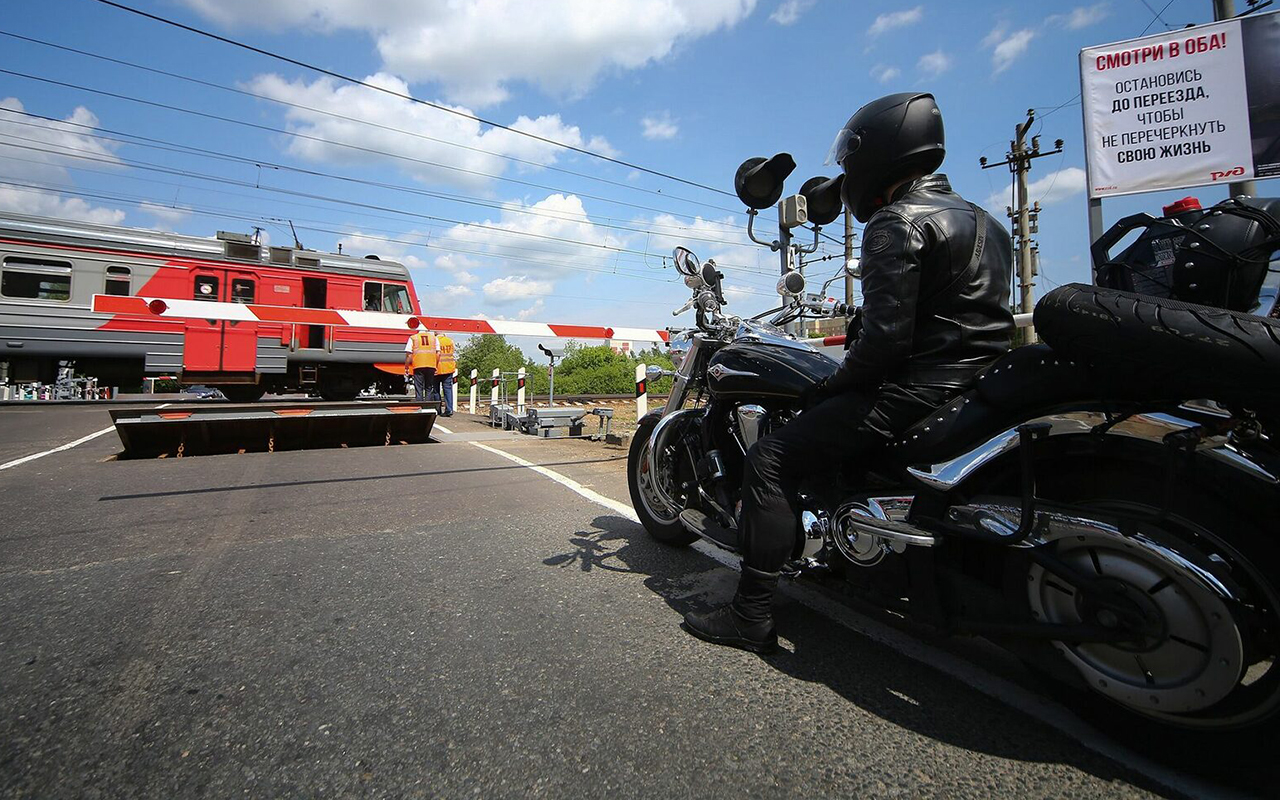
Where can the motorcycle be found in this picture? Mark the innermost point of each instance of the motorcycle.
(1119, 540)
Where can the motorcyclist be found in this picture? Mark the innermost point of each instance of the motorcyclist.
(935, 283)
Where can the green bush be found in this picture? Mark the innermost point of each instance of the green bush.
(583, 369)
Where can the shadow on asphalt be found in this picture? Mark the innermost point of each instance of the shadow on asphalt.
(872, 676)
(352, 479)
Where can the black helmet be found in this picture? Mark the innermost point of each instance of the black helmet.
(885, 141)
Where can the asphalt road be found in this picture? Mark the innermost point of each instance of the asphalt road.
(437, 620)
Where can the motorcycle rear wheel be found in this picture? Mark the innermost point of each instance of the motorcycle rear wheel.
(660, 519)
(1219, 535)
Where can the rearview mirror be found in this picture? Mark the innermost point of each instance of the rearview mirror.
(758, 182)
(686, 262)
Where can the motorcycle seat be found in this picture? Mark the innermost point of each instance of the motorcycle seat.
(1021, 384)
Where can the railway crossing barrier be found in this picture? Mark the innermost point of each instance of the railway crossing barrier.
(473, 393)
(216, 429)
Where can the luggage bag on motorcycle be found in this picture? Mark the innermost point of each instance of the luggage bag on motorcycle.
(1143, 347)
(1214, 257)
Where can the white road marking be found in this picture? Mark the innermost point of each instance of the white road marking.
(440, 427)
(1011, 694)
(58, 449)
(67, 446)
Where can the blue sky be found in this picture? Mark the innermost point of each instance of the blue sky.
(685, 87)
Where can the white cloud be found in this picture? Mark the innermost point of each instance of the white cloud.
(884, 73)
(934, 63)
(1081, 16)
(659, 127)
(1010, 48)
(531, 312)
(514, 288)
(54, 143)
(361, 244)
(475, 50)
(50, 204)
(1054, 187)
(358, 105)
(789, 11)
(170, 214)
(994, 35)
(895, 19)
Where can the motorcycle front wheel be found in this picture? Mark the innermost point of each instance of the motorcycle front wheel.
(660, 518)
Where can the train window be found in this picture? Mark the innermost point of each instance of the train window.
(206, 288)
(242, 290)
(390, 298)
(35, 279)
(118, 281)
(395, 299)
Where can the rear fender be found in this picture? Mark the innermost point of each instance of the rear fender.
(1150, 428)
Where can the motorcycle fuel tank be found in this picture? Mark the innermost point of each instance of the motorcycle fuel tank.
(763, 369)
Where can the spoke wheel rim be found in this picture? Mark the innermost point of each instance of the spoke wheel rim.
(652, 499)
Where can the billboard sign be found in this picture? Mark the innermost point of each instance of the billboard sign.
(1191, 107)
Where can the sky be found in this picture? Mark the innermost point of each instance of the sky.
(499, 225)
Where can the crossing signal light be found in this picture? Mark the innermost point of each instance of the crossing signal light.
(822, 196)
(758, 182)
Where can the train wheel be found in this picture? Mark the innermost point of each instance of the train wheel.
(243, 393)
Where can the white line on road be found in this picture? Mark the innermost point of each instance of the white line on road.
(440, 427)
(67, 446)
(1011, 694)
(58, 449)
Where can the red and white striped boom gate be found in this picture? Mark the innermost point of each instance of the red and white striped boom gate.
(168, 308)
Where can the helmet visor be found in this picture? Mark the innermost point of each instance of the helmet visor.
(845, 143)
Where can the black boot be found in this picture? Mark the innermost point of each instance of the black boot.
(747, 622)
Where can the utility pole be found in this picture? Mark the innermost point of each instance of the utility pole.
(1025, 218)
(848, 256)
(1226, 9)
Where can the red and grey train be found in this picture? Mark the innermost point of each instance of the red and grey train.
(50, 269)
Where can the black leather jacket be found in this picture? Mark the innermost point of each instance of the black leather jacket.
(919, 326)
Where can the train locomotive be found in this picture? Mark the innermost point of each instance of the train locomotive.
(50, 269)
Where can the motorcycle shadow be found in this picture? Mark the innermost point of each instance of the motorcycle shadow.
(865, 673)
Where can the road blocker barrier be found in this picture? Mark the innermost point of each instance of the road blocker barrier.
(262, 427)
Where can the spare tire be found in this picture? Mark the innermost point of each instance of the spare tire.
(1157, 346)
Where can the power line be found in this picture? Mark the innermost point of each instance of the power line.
(115, 197)
(389, 128)
(78, 153)
(403, 96)
(297, 134)
(125, 137)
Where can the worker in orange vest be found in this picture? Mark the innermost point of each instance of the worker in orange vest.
(446, 367)
(420, 359)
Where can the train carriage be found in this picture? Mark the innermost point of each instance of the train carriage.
(50, 270)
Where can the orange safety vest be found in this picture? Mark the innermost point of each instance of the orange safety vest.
(424, 351)
(448, 363)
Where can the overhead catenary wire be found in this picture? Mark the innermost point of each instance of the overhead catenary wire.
(614, 256)
(78, 153)
(160, 144)
(115, 197)
(821, 234)
(294, 134)
(402, 131)
(438, 106)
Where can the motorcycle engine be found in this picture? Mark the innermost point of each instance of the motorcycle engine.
(862, 549)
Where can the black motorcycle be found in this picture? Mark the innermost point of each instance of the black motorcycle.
(1112, 527)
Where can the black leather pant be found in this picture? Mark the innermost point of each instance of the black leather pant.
(841, 429)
